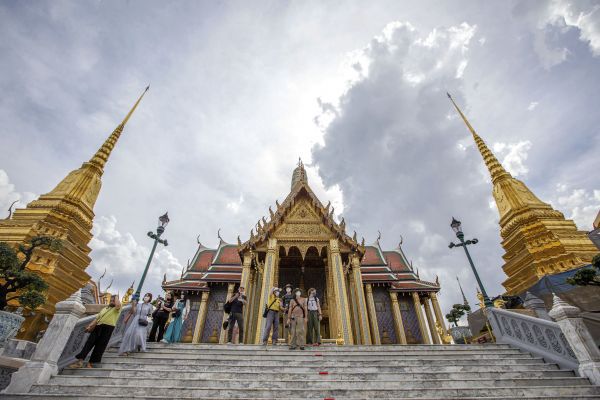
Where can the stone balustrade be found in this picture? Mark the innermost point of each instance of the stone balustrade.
(538, 336)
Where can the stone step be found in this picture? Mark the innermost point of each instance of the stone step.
(330, 366)
(311, 373)
(149, 364)
(307, 359)
(332, 348)
(284, 351)
(35, 396)
(219, 392)
(317, 382)
(310, 356)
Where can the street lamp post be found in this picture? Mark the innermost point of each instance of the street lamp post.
(455, 224)
(163, 221)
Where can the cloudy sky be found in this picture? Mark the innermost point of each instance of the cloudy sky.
(240, 90)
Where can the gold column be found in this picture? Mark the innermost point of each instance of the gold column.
(398, 324)
(201, 319)
(341, 294)
(438, 312)
(223, 336)
(419, 313)
(245, 282)
(434, 334)
(267, 284)
(331, 302)
(376, 339)
(363, 319)
(353, 309)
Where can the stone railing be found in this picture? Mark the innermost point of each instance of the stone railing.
(538, 336)
(79, 336)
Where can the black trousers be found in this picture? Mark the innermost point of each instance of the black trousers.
(233, 318)
(98, 340)
(158, 323)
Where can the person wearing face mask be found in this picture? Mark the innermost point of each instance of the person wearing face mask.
(315, 315)
(134, 338)
(178, 316)
(296, 319)
(271, 313)
(287, 297)
(101, 330)
(237, 301)
(160, 317)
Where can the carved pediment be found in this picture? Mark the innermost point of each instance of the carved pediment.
(305, 231)
(302, 213)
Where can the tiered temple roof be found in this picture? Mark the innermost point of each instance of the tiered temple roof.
(224, 264)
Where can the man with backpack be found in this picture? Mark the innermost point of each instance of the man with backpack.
(315, 315)
(236, 314)
(296, 319)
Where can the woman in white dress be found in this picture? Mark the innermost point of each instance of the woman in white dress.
(134, 338)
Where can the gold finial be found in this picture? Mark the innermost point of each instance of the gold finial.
(496, 169)
(99, 159)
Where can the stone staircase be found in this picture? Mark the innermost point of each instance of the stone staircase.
(187, 371)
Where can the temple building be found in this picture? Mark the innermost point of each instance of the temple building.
(537, 239)
(369, 296)
(66, 213)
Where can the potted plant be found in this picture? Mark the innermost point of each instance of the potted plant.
(19, 283)
(460, 334)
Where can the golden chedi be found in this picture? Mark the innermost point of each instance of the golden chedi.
(66, 213)
(536, 238)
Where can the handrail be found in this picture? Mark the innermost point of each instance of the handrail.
(535, 335)
(79, 336)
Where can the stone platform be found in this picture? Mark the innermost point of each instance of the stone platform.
(188, 371)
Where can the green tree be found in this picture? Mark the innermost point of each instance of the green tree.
(16, 281)
(587, 276)
(458, 310)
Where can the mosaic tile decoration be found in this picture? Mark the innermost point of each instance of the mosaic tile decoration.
(214, 315)
(383, 310)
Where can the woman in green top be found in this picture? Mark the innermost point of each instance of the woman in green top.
(101, 330)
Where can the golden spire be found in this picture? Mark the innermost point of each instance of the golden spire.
(536, 238)
(496, 169)
(99, 159)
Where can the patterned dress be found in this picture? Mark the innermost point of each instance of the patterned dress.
(134, 338)
(174, 330)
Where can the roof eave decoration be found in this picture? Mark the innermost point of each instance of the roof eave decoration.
(265, 228)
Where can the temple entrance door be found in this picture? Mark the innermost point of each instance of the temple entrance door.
(306, 272)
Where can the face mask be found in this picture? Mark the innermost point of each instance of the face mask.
(312, 294)
(298, 294)
(277, 293)
(146, 299)
(288, 290)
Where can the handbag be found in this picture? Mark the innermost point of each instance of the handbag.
(266, 312)
(142, 320)
(177, 313)
(92, 325)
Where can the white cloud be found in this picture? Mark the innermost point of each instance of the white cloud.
(514, 156)
(550, 21)
(400, 163)
(580, 205)
(235, 205)
(124, 258)
(8, 195)
(532, 106)
(584, 17)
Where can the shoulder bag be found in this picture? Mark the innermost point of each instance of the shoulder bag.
(266, 312)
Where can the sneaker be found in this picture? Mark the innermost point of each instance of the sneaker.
(292, 347)
(301, 347)
(265, 344)
(77, 364)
